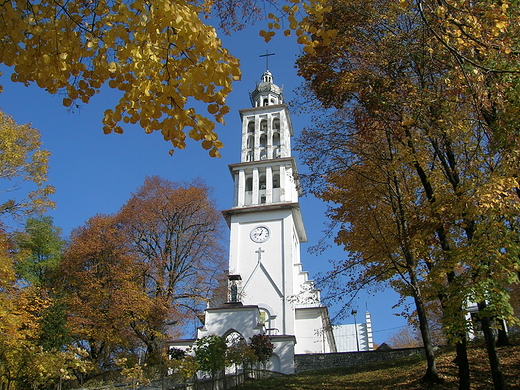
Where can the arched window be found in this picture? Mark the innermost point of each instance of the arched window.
(266, 102)
(276, 124)
(250, 142)
(234, 339)
(263, 125)
(262, 186)
(249, 184)
(262, 183)
(276, 181)
(263, 141)
(251, 127)
(276, 139)
(265, 320)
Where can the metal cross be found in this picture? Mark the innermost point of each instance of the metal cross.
(260, 251)
(266, 55)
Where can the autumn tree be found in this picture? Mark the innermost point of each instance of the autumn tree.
(26, 362)
(387, 73)
(98, 277)
(406, 337)
(374, 193)
(262, 347)
(21, 161)
(174, 234)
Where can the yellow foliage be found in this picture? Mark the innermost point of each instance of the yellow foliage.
(158, 53)
(22, 160)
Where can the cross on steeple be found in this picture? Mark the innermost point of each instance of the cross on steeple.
(266, 55)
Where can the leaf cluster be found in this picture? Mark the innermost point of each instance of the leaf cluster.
(160, 55)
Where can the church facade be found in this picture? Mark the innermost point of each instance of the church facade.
(270, 293)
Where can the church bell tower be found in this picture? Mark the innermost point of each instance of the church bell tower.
(269, 293)
(267, 227)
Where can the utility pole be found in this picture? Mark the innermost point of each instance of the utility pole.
(354, 312)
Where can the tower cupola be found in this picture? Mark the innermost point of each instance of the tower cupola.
(266, 93)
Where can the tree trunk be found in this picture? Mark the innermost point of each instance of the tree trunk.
(502, 340)
(462, 362)
(494, 362)
(432, 375)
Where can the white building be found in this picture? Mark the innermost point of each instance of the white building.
(270, 292)
(354, 337)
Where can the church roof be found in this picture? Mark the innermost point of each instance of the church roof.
(266, 86)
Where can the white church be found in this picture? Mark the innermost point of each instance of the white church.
(270, 293)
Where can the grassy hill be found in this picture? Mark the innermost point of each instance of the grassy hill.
(403, 374)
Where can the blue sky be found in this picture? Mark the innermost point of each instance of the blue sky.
(95, 173)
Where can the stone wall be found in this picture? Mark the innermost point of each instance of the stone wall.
(320, 361)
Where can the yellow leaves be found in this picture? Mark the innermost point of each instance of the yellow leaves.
(213, 108)
(21, 159)
(158, 54)
(267, 35)
(207, 144)
(407, 121)
(500, 27)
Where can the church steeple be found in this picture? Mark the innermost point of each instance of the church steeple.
(267, 173)
(265, 272)
(266, 93)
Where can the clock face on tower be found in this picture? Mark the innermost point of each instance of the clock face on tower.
(260, 234)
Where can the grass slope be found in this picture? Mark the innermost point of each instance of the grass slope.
(403, 374)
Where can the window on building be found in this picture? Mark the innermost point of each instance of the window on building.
(276, 181)
(263, 125)
(262, 183)
(276, 139)
(276, 124)
(234, 339)
(263, 141)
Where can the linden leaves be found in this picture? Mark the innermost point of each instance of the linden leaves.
(159, 54)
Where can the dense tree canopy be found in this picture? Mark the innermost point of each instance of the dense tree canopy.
(410, 156)
(174, 233)
(97, 275)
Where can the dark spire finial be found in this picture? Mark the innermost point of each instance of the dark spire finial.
(266, 55)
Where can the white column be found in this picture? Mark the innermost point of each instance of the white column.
(256, 150)
(269, 145)
(240, 188)
(283, 181)
(256, 185)
(244, 140)
(269, 185)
